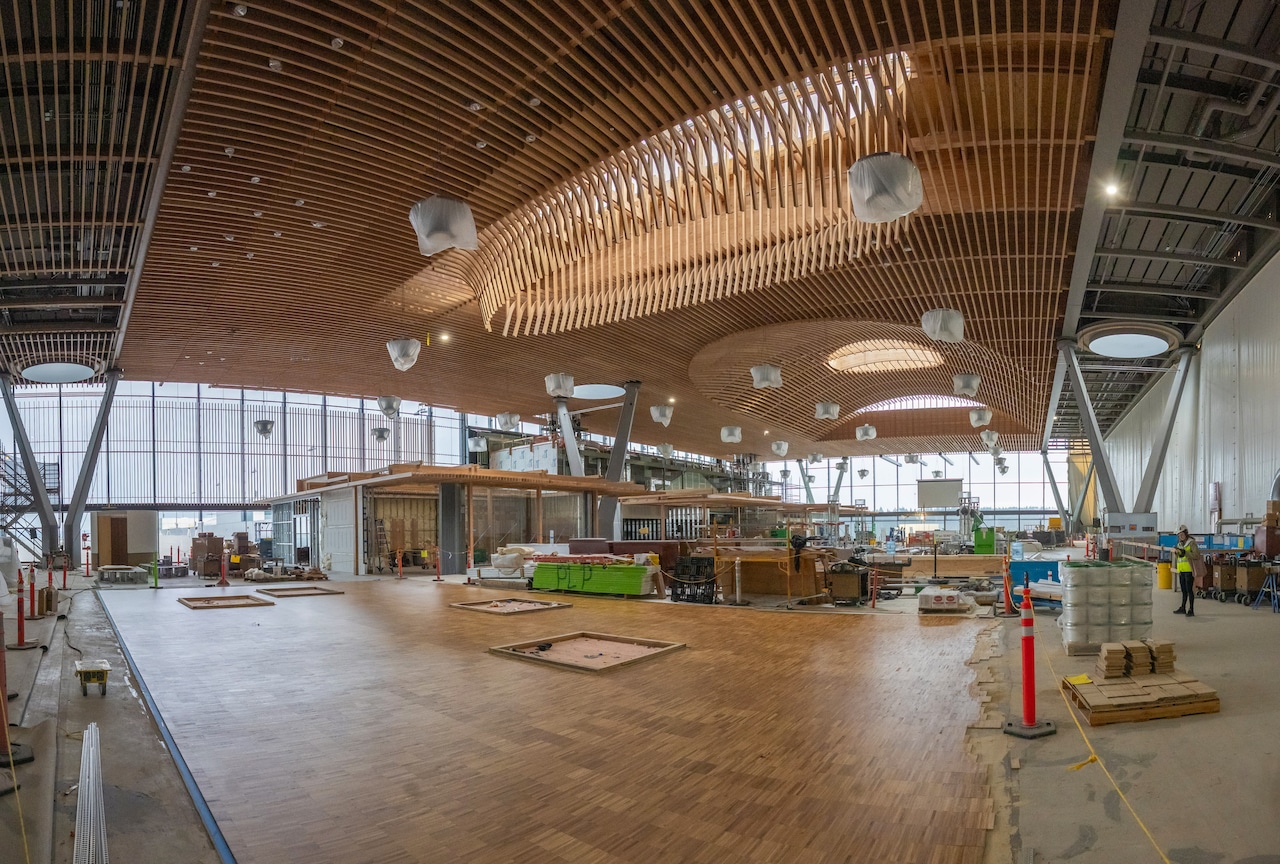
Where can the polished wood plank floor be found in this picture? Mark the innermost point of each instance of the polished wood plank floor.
(375, 727)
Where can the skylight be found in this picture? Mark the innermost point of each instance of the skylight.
(918, 403)
(883, 355)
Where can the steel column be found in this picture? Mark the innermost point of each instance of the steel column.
(1084, 493)
(1089, 420)
(1057, 496)
(570, 440)
(804, 478)
(617, 459)
(39, 494)
(1160, 447)
(71, 524)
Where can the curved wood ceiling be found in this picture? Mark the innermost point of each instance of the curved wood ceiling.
(289, 261)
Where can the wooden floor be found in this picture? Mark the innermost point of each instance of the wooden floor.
(375, 727)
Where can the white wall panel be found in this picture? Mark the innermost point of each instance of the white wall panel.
(1225, 430)
(338, 538)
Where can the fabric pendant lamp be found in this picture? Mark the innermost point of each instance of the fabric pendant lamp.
(661, 414)
(884, 187)
(779, 448)
(943, 325)
(979, 417)
(731, 434)
(826, 411)
(380, 433)
(264, 427)
(404, 353)
(443, 223)
(766, 376)
(865, 432)
(389, 405)
(507, 421)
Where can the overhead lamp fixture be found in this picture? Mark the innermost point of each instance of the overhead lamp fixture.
(477, 445)
(989, 437)
(661, 414)
(1112, 189)
(766, 376)
(264, 427)
(666, 450)
(443, 223)
(336, 43)
(884, 187)
(826, 411)
(755, 467)
(1129, 340)
(995, 451)
(389, 405)
(380, 433)
(943, 325)
(979, 417)
(865, 432)
(862, 473)
(779, 448)
(785, 474)
(937, 475)
(731, 434)
(507, 421)
(1003, 469)
(911, 459)
(404, 353)
(965, 384)
(815, 458)
(240, 10)
(1000, 460)
(560, 385)
(274, 65)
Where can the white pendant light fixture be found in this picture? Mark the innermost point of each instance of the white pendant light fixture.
(979, 417)
(755, 467)
(404, 353)
(995, 450)
(1000, 460)
(666, 450)
(560, 385)
(766, 376)
(779, 448)
(1003, 469)
(389, 405)
(661, 414)
(884, 187)
(865, 432)
(965, 384)
(785, 474)
(826, 411)
(943, 325)
(443, 223)
(862, 473)
(477, 445)
(937, 475)
(731, 434)
(264, 427)
(507, 421)
(815, 458)
(380, 433)
(989, 437)
(911, 459)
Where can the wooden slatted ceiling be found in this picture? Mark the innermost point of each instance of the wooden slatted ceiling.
(997, 114)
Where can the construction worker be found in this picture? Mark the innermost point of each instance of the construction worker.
(1184, 553)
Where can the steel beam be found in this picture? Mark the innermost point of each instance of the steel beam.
(39, 494)
(1084, 493)
(1146, 210)
(1169, 257)
(116, 280)
(1209, 146)
(1055, 397)
(804, 478)
(61, 301)
(1057, 496)
(1211, 45)
(571, 452)
(1137, 316)
(80, 495)
(173, 114)
(1106, 479)
(1149, 288)
(608, 511)
(1133, 25)
(1160, 447)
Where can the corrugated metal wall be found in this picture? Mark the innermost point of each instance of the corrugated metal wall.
(1226, 431)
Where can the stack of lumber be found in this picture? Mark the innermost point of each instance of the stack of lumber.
(1162, 652)
(1149, 697)
(1137, 657)
(1112, 660)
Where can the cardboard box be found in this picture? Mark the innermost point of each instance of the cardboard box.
(1250, 576)
(1224, 577)
(1271, 520)
(1273, 508)
(1266, 541)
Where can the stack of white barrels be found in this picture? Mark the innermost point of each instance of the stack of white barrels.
(1104, 602)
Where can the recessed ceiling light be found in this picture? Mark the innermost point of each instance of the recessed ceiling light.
(213, 194)
(241, 10)
(480, 145)
(317, 224)
(444, 337)
(248, 254)
(336, 43)
(299, 202)
(223, 359)
(766, 431)
(475, 106)
(534, 101)
(194, 248)
(213, 263)
(672, 400)
(1112, 188)
(186, 169)
(276, 234)
(254, 179)
(208, 352)
(230, 238)
(274, 65)
(257, 213)
(186, 356)
(530, 138)
(230, 151)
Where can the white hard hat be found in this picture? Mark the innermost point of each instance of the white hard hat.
(1182, 529)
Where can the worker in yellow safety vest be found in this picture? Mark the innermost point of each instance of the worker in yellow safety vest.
(1184, 553)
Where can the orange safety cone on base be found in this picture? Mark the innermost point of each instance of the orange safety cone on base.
(1029, 727)
(22, 644)
(11, 752)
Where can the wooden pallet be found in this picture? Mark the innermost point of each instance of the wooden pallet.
(1148, 706)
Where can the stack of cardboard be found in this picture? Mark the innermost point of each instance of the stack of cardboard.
(1111, 660)
(1138, 658)
(1162, 652)
(206, 555)
(1266, 537)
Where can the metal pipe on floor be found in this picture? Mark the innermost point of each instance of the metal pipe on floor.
(91, 814)
(737, 581)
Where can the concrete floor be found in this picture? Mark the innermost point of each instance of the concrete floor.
(1206, 787)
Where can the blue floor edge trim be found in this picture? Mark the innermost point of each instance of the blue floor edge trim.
(202, 807)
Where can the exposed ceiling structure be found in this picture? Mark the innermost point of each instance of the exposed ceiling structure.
(659, 192)
(88, 92)
(1191, 216)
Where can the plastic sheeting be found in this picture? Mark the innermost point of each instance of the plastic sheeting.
(443, 223)
(884, 187)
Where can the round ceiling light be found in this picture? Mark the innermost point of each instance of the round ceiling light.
(1129, 340)
(58, 373)
(597, 391)
(883, 355)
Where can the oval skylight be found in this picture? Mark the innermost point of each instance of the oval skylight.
(598, 391)
(918, 403)
(883, 355)
(1128, 345)
(58, 373)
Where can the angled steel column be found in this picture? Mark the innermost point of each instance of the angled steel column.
(1155, 462)
(570, 440)
(1057, 496)
(39, 494)
(804, 478)
(1106, 479)
(1084, 493)
(617, 459)
(71, 524)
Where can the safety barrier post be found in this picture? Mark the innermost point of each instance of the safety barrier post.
(399, 563)
(438, 578)
(33, 610)
(223, 583)
(11, 752)
(22, 644)
(1029, 727)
